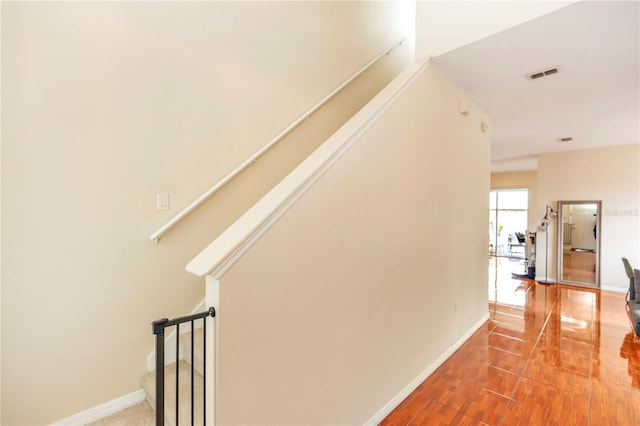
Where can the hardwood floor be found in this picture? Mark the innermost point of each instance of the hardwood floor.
(549, 355)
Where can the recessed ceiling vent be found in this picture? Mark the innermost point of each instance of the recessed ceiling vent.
(568, 139)
(539, 74)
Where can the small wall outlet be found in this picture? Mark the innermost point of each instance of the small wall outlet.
(162, 201)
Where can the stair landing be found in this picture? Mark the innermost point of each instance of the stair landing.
(184, 406)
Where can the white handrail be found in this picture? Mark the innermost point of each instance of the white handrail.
(155, 237)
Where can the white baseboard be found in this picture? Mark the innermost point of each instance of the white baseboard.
(615, 289)
(400, 396)
(170, 342)
(103, 410)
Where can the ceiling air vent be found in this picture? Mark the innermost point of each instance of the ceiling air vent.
(539, 74)
(568, 139)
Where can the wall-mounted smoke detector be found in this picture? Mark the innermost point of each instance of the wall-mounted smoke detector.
(567, 139)
(545, 73)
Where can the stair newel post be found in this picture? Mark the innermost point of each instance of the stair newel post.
(158, 329)
(210, 313)
(210, 355)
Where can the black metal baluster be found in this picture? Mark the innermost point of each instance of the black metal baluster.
(193, 349)
(177, 370)
(204, 370)
(158, 330)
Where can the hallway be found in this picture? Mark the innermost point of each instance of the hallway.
(549, 355)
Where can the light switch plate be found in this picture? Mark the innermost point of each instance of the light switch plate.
(162, 201)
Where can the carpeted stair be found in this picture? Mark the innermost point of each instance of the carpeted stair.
(184, 373)
(184, 406)
(144, 413)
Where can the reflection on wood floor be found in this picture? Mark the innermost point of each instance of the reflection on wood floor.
(549, 355)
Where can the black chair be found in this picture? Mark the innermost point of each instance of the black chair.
(633, 297)
(631, 293)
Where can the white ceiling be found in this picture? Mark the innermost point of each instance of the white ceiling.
(594, 98)
(445, 25)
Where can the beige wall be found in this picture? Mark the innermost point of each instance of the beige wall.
(353, 292)
(105, 104)
(0, 223)
(520, 180)
(608, 174)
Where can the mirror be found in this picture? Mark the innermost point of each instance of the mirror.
(579, 242)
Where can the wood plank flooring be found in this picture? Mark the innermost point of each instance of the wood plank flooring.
(549, 355)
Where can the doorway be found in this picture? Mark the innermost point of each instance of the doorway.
(508, 211)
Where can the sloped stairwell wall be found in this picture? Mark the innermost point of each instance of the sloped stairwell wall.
(369, 277)
(104, 104)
